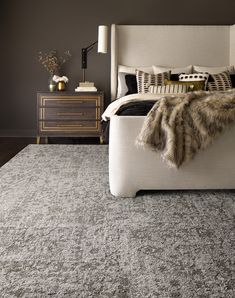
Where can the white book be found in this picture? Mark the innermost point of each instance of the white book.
(86, 84)
(86, 89)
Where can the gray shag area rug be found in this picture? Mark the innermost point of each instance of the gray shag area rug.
(63, 235)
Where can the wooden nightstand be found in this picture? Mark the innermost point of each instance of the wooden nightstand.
(66, 114)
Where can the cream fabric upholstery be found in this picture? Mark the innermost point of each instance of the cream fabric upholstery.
(158, 45)
(132, 168)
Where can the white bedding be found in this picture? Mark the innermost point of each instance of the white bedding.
(115, 105)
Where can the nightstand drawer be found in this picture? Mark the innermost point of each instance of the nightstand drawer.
(69, 113)
(70, 125)
(69, 102)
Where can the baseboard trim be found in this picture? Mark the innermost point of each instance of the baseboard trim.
(30, 133)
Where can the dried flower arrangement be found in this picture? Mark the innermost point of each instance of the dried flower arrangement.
(52, 62)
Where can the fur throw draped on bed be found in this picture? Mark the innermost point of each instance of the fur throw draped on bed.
(181, 126)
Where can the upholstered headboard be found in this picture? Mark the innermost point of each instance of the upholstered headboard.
(170, 46)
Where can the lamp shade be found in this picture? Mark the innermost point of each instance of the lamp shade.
(102, 39)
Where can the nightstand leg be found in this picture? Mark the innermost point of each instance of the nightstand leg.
(46, 140)
(101, 140)
(38, 140)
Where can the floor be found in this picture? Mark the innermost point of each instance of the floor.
(62, 234)
(10, 146)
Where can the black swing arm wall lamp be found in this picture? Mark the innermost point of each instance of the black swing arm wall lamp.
(102, 47)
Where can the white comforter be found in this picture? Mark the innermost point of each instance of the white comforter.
(115, 105)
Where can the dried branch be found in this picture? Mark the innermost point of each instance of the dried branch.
(51, 61)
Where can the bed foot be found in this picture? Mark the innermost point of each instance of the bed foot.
(128, 194)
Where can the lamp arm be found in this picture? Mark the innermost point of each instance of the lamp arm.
(91, 46)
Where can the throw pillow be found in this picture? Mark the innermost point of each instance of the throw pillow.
(175, 77)
(220, 82)
(127, 84)
(168, 89)
(144, 80)
(232, 78)
(131, 84)
(194, 77)
(192, 86)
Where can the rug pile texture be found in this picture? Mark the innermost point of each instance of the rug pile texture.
(62, 234)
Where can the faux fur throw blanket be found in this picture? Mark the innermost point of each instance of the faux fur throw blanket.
(181, 126)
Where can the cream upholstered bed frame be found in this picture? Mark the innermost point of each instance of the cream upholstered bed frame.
(131, 168)
(170, 46)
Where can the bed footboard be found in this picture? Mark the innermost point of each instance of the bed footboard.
(132, 168)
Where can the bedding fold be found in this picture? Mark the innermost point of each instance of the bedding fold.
(114, 106)
(180, 126)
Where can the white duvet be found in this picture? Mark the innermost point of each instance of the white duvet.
(115, 105)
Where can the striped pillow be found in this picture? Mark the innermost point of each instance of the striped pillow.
(220, 82)
(168, 89)
(144, 80)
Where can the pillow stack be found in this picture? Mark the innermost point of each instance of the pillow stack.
(169, 80)
(172, 86)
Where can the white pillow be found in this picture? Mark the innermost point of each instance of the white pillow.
(122, 88)
(132, 69)
(213, 70)
(174, 70)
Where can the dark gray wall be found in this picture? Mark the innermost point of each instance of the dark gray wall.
(27, 26)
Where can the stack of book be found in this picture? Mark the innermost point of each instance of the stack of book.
(86, 87)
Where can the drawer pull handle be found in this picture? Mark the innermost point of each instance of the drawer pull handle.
(71, 102)
(70, 114)
(69, 125)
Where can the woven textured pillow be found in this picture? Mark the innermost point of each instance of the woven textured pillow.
(220, 82)
(168, 89)
(194, 77)
(192, 86)
(144, 80)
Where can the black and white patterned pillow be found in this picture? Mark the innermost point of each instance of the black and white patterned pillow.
(194, 77)
(144, 80)
(220, 82)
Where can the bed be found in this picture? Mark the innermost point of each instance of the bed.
(132, 168)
